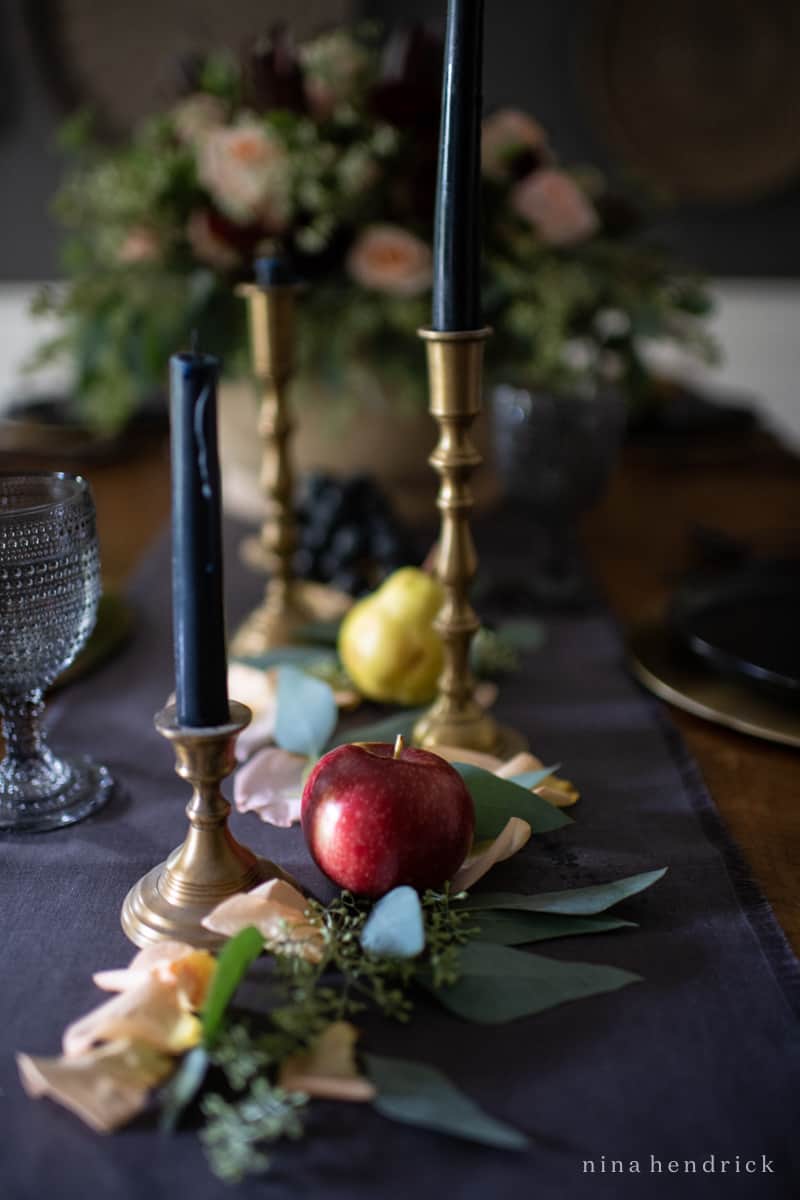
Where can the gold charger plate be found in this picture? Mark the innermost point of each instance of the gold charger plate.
(677, 677)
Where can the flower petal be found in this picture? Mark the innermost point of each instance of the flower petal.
(171, 962)
(556, 791)
(561, 793)
(512, 838)
(106, 1087)
(277, 910)
(518, 765)
(152, 1011)
(328, 1068)
(271, 785)
(257, 689)
(476, 758)
(486, 692)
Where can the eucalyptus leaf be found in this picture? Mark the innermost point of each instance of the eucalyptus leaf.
(508, 928)
(497, 800)
(288, 656)
(322, 633)
(532, 779)
(415, 1093)
(183, 1087)
(235, 957)
(306, 713)
(395, 928)
(523, 633)
(385, 730)
(499, 984)
(583, 902)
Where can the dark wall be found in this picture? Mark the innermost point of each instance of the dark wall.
(536, 59)
(29, 165)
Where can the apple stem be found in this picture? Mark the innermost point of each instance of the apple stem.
(399, 745)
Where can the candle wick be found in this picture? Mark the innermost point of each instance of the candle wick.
(194, 339)
(200, 438)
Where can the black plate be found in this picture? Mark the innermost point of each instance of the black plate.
(745, 624)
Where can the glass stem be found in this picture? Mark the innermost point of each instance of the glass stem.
(21, 717)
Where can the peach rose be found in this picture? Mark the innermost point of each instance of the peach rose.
(207, 245)
(504, 134)
(244, 167)
(196, 116)
(388, 259)
(139, 245)
(556, 207)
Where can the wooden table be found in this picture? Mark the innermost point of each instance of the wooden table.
(639, 544)
(637, 540)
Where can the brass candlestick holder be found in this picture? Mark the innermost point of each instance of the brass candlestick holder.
(170, 901)
(288, 602)
(455, 360)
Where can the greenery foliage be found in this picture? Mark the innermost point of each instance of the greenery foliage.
(330, 150)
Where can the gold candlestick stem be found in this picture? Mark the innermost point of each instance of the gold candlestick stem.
(288, 603)
(455, 361)
(170, 901)
(271, 314)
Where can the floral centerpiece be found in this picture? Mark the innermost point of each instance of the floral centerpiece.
(330, 147)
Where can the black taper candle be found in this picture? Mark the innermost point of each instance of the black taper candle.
(456, 236)
(201, 684)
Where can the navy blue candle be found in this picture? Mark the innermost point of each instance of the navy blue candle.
(456, 236)
(201, 683)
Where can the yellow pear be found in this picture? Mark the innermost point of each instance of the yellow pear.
(387, 642)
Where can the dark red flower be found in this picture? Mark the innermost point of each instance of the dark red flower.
(272, 76)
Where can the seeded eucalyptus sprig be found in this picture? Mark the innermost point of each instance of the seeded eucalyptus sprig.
(458, 947)
(345, 981)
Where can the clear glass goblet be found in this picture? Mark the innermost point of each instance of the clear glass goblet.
(49, 592)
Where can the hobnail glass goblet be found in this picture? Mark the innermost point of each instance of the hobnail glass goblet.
(49, 592)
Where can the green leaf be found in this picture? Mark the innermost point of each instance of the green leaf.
(582, 902)
(395, 928)
(499, 984)
(496, 800)
(520, 928)
(415, 1093)
(234, 959)
(523, 633)
(385, 730)
(306, 712)
(322, 633)
(183, 1087)
(288, 656)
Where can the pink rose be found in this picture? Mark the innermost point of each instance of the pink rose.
(387, 259)
(245, 169)
(554, 204)
(505, 134)
(207, 245)
(139, 245)
(195, 117)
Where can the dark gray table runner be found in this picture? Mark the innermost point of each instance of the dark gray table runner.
(698, 1064)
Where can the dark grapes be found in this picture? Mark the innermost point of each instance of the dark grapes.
(347, 534)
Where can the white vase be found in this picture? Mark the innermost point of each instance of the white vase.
(388, 438)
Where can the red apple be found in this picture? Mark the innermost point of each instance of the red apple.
(376, 816)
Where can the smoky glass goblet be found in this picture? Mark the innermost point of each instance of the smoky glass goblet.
(49, 592)
(555, 454)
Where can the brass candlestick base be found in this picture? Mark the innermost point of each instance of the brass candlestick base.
(170, 901)
(274, 624)
(454, 373)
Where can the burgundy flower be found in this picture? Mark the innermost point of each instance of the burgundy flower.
(273, 77)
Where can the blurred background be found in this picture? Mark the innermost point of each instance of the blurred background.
(701, 98)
